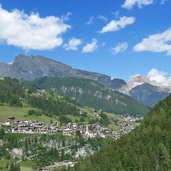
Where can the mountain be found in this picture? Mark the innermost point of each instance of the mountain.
(146, 91)
(147, 148)
(148, 94)
(31, 67)
(90, 93)
(4, 68)
(139, 80)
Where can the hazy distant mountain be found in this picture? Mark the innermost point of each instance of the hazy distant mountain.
(144, 90)
(31, 67)
(4, 68)
(148, 94)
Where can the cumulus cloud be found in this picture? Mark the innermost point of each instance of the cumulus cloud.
(121, 47)
(73, 44)
(90, 47)
(31, 31)
(128, 4)
(116, 25)
(159, 77)
(156, 43)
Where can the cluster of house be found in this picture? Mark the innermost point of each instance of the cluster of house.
(88, 131)
(125, 127)
(132, 118)
(69, 129)
(124, 124)
(33, 126)
(29, 126)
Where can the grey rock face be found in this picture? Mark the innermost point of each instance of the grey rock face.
(31, 67)
(4, 68)
(148, 94)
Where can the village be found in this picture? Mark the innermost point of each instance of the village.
(87, 131)
(14, 126)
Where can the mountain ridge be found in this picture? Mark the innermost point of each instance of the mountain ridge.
(145, 90)
(32, 67)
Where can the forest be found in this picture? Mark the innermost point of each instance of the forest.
(16, 93)
(147, 148)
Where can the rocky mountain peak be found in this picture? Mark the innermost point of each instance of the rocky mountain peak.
(32, 67)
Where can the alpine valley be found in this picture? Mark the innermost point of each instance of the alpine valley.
(54, 117)
(85, 85)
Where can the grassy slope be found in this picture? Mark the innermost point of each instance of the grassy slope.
(25, 165)
(20, 113)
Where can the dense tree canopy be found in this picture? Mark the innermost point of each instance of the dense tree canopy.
(147, 148)
(92, 94)
(15, 93)
(11, 92)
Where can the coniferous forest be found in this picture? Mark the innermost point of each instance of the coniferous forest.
(147, 148)
(15, 93)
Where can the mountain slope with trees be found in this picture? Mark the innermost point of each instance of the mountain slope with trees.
(147, 148)
(92, 94)
(15, 93)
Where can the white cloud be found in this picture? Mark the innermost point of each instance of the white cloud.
(90, 21)
(128, 4)
(159, 77)
(156, 43)
(73, 44)
(31, 31)
(121, 47)
(90, 47)
(115, 25)
(67, 16)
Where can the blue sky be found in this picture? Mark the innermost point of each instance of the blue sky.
(119, 38)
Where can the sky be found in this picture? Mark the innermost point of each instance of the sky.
(120, 38)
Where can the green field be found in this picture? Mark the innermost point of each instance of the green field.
(3, 164)
(24, 165)
(20, 113)
(27, 165)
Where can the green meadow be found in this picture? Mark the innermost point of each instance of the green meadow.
(21, 113)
